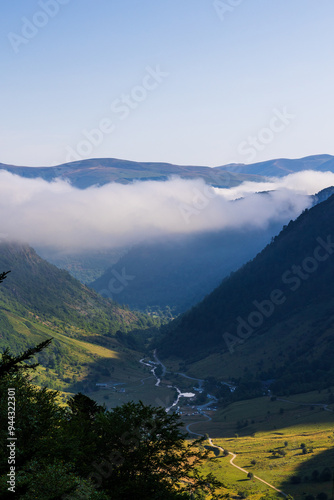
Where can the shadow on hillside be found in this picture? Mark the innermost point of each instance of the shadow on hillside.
(312, 474)
(249, 417)
(278, 426)
(104, 371)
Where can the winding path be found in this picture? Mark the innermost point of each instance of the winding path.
(244, 470)
(230, 453)
(234, 456)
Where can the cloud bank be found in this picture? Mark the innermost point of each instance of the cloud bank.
(60, 216)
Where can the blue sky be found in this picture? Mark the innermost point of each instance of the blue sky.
(186, 82)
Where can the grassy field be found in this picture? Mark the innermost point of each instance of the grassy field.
(285, 428)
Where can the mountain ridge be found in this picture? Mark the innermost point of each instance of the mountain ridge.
(99, 171)
(283, 166)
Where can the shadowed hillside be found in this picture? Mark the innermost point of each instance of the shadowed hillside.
(273, 317)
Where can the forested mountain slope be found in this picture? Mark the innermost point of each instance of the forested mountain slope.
(39, 301)
(274, 317)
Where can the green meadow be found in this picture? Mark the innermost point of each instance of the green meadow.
(271, 446)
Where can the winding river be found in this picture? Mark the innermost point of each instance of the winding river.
(154, 365)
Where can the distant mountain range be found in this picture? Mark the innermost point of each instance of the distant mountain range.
(273, 318)
(99, 171)
(282, 166)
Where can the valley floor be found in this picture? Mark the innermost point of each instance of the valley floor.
(267, 443)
